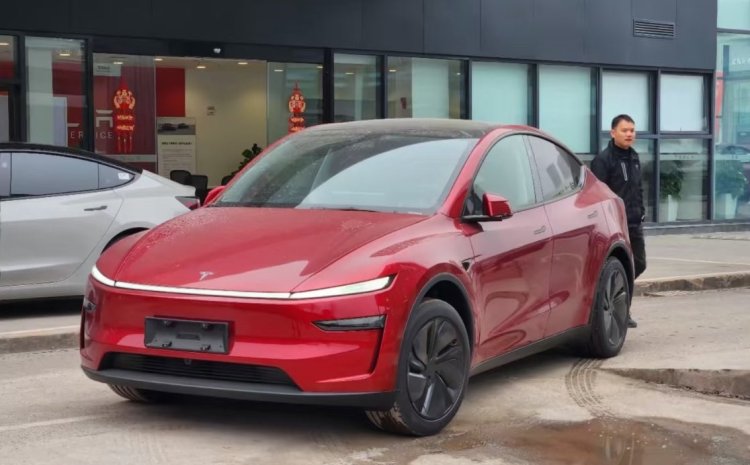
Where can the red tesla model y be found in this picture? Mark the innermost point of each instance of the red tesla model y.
(375, 264)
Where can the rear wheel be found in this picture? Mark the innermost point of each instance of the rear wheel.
(433, 372)
(609, 315)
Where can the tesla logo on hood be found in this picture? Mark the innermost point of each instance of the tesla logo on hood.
(205, 274)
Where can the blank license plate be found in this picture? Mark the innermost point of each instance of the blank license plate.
(191, 335)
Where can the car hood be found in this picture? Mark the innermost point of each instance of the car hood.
(251, 249)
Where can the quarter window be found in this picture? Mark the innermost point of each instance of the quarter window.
(41, 174)
(559, 171)
(505, 171)
(112, 177)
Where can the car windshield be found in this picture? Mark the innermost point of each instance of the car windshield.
(354, 170)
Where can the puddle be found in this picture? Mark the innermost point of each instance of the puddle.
(596, 442)
(619, 442)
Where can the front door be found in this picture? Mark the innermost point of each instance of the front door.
(512, 256)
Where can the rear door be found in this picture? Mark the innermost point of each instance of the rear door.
(53, 218)
(577, 222)
(512, 257)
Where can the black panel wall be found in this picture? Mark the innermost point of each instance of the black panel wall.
(583, 31)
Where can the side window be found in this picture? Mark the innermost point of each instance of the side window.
(505, 171)
(110, 177)
(4, 175)
(42, 174)
(559, 172)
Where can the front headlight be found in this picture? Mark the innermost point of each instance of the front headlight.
(96, 274)
(348, 289)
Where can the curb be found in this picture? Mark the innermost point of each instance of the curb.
(38, 340)
(693, 283)
(724, 383)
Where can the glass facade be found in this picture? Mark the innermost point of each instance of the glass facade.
(356, 85)
(424, 88)
(682, 107)
(501, 92)
(567, 105)
(283, 78)
(683, 179)
(695, 158)
(56, 91)
(7, 57)
(732, 127)
(629, 93)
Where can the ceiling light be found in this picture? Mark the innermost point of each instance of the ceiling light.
(320, 66)
(158, 59)
(4, 44)
(242, 63)
(278, 70)
(201, 66)
(117, 63)
(350, 73)
(391, 70)
(65, 54)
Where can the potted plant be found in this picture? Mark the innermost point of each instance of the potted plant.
(248, 156)
(730, 185)
(670, 186)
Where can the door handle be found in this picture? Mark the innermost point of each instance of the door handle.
(593, 214)
(95, 209)
(540, 230)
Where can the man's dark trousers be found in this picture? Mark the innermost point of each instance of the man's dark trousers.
(638, 244)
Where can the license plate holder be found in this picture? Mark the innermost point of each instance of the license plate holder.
(189, 335)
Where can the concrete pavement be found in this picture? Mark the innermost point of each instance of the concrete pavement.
(676, 263)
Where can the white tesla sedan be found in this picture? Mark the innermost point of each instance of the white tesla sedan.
(60, 208)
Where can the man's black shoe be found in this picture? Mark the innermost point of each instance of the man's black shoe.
(632, 323)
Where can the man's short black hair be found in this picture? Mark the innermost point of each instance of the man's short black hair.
(617, 119)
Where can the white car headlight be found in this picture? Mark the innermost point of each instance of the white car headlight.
(348, 289)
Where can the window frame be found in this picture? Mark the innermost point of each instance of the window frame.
(532, 165)
(571, 154)
(11, 152)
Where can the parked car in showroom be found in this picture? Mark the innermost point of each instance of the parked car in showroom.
(60, 208)
(374, 264)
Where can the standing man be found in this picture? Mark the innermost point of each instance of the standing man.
(618, 167)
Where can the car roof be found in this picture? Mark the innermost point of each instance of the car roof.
(424, 126)
(58, 150)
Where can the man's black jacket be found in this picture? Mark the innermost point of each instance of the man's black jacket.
(621, 171)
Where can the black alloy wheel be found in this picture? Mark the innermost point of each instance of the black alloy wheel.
(436, 375)
(433, 372)
(610, 312)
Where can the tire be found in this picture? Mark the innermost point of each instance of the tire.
(610, 312)
(138, 395)
(432, 378)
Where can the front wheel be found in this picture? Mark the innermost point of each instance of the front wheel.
(609, 315)
(433, 372)
(139, 395)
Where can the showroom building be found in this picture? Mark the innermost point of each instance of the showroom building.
(189, 84)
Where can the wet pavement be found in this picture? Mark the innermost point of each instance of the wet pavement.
(596, 442)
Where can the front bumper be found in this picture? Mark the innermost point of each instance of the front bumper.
(238, 390)
(324, 367)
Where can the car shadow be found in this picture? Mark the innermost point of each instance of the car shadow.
(310, 420)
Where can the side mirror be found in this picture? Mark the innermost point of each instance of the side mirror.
(496, 207)
(213, 195)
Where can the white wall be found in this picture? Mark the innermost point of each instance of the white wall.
(238, 95)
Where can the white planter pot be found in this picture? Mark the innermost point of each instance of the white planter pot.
(668, 208)
(726, 206)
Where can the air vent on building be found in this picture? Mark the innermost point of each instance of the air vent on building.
(655, 29)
